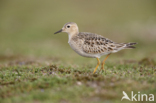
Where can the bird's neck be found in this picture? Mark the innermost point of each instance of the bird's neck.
(72, 35)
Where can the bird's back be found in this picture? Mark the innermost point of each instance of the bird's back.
(94, 45)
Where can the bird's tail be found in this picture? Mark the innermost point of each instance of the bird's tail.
(130, 45)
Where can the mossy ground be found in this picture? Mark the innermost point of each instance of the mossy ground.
(30, 81)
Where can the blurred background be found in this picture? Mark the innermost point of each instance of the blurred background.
(27, 27)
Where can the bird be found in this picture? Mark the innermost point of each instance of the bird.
(92, 45)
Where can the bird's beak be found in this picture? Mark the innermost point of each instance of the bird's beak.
(58, 31)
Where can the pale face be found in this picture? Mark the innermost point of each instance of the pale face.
(70, 28)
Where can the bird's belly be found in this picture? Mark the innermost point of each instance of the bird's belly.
(78, 49)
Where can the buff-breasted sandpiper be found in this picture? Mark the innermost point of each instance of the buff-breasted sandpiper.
(92, 45)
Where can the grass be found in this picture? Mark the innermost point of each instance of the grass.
(30, 81)
(39, 67)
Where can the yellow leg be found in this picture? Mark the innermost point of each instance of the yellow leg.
(97, 65)
(103, 63)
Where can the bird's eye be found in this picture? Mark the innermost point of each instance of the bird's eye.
(68, 26)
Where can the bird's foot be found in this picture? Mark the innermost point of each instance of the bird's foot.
(102, 69)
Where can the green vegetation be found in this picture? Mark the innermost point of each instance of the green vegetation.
(32, 82)
(39, 67)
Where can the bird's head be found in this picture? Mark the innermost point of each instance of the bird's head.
(71, 28)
